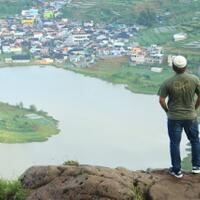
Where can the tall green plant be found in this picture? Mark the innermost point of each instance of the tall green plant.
(12, 190)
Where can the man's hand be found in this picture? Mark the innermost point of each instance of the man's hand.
(163, 103)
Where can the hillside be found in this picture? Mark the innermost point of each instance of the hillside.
(171, 12)
(161, 20)
(12, 7)
(175, 14)
(101, 10)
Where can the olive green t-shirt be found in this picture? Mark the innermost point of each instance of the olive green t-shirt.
(180, 90)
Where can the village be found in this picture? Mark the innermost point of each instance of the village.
(42, 36)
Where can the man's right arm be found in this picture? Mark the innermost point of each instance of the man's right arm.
(197, 102)
(197, 91)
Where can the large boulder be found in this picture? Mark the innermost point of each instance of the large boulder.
(101, 183)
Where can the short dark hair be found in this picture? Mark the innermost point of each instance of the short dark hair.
(179, 70)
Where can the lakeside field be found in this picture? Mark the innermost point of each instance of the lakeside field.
(138, 79)
(22, 125)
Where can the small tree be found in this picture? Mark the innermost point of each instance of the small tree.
(21, 105)
(33, 108)
(146, 18)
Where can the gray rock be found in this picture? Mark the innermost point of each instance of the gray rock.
(35, 177)
(101, 183)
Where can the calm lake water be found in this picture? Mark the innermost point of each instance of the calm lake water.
(101, 123)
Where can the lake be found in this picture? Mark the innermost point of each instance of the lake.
(100, 123)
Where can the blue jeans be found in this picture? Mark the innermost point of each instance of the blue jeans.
(175, 128)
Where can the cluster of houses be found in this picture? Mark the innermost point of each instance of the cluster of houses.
(41, 35)
(151, 55)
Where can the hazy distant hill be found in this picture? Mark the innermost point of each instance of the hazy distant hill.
(129, 11)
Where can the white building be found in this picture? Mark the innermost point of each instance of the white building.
(6, 48)
(38, 35)
(89, 24)
(156, 69)
(79, 37)
(180, 36)
(138, 59)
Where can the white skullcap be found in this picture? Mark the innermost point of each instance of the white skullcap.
(180, 61)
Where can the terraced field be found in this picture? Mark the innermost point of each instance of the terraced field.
(173, 11)
(104, 10)
(12, 7)
(85, 4)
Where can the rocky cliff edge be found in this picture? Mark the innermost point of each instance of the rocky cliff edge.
(85, 182)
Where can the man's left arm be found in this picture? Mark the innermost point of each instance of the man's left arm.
(162, 101)
(163, 93)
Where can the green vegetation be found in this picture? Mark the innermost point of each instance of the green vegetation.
(71, 162)
(138, 79)
(137, 193)
(12, 7)
(160, 36)
(169, 12)
(101, 10)
(147, 18)
(12, 190)
(20, 125)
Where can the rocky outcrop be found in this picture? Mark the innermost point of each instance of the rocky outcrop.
(101, 183)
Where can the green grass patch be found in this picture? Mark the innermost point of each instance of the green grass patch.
(20, 125)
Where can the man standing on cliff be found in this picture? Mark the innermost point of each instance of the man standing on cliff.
(183, 94)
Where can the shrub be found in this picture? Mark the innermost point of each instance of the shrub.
(12, 190)
(71, 162)
(138, 193)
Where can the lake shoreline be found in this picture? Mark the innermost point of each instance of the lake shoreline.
(133, 85)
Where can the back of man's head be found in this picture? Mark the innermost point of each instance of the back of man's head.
(179, 64)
